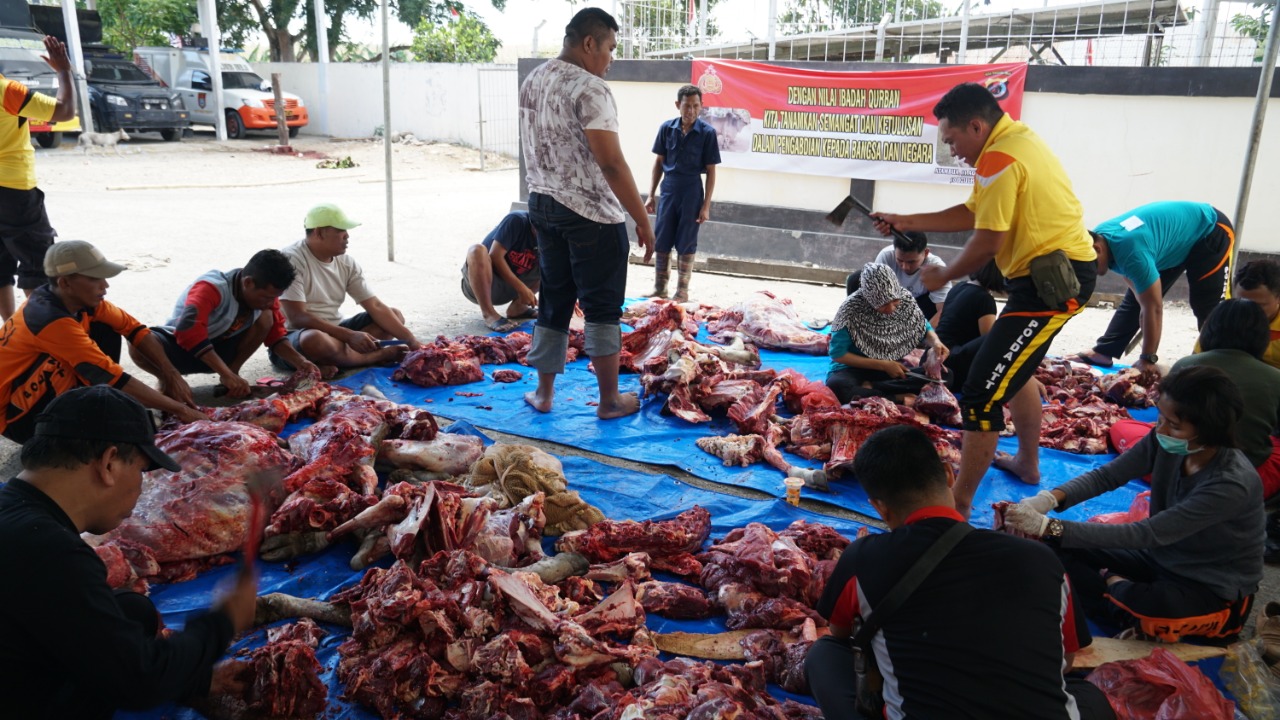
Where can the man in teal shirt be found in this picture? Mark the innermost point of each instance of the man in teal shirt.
(1152, 246)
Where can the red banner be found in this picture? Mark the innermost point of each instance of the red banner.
(871, 125)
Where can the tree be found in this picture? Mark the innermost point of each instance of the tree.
(1255, 26)
(466, 39)
(810, 16)
(127, 24)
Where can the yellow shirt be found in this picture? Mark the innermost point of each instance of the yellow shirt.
(17, 158)
(1020, 188)
(1272, 355)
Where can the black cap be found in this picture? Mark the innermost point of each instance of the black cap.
(98, 412)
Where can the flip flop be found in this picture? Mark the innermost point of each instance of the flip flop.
(1087, 359)
(528, 314)
(501, 325)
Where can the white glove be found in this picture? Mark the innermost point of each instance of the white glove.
(1026, 519)
(1042, 502)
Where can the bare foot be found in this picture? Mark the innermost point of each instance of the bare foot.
(1094, 358)
(1023, 471)
(537, 402)
(627, 404)
(328, 371)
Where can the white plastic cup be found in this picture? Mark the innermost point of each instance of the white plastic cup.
(793, 489)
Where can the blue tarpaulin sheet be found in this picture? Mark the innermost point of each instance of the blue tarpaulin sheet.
(620, 494)
(651, 437)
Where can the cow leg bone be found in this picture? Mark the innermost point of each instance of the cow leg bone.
(279, 606)
(554, 568)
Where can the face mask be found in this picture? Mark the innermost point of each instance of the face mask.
(1175, 446)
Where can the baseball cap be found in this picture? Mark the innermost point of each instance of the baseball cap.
(328, 215)
(99, 412)
(72, 257)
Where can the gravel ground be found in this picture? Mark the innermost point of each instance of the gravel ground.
(171, 211)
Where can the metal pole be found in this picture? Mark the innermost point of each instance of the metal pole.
(209, 26)
(773, 28)
(480, 111)
(702, 22)
(964, 32)
(533, 51)
(386, 130)
(880, 36)
(1204, 38)
(1255, 132)
(322, 76)
(72, 24)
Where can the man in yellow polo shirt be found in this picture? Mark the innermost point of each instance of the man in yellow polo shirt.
(1259, 281)
(25, 232)
(1022, 209)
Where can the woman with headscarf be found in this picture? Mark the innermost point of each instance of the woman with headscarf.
(874, 329)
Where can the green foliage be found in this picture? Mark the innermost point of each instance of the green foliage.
(464, 40)
(127, 24)
(435, 12)
(1255, 24)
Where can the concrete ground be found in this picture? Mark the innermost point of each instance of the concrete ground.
(171, 211)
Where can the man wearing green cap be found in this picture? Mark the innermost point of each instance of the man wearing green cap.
(312, 304)
(66, 335)
(73, 648)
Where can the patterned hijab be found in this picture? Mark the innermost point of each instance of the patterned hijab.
(880, 336)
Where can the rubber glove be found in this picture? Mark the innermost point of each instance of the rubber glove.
(1042, 502)
(1024, 518)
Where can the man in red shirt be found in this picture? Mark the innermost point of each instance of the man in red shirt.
(224, 317)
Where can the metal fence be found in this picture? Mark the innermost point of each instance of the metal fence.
(499, 117)
(1095, 32)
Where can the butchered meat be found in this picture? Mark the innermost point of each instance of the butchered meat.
(661, 539)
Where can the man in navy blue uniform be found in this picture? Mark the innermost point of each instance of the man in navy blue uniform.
(504, 269)
(686, 147)
(987, 635)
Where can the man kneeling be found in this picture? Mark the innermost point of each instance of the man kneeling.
(224, 317)
(988, 632)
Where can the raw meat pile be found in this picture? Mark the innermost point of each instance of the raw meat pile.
(456, 637)
(768, 322)
(1064, 380)
(282, 678)
(190, 520)
(458, 361)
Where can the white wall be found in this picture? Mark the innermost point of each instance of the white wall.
(434, 101)
(1120, 151)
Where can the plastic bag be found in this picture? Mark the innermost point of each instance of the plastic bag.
(1160, 687)
(1139, 509)
(1249, 679)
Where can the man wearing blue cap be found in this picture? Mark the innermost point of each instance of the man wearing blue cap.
(69, 646)
(312, 304)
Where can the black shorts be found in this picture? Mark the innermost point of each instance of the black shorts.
(1014, 347)
(188, 364)
(359, 321)
(25, 235)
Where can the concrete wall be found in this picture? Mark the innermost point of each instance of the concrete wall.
(434, 101)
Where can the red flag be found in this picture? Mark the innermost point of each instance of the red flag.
(1088, 52)
(691, 10)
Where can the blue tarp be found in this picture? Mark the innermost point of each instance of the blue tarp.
(651, 437)
(620, 494)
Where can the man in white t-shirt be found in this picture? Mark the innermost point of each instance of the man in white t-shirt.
(312, 304)
(579, 183)
(907, 258)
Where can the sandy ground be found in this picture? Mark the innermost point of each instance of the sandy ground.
(171, 211)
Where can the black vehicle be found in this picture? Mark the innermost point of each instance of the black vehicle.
(123, 96)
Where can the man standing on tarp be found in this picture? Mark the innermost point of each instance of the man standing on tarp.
(1023, 213)
(579, 183)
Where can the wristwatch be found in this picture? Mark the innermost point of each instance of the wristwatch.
(1054, 529)
(1152, 358)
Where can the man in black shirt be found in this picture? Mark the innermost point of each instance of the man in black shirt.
(504, 269)
(68, 647)
(986, 635)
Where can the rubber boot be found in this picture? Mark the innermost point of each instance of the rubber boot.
(661, 273)
(684, 270)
